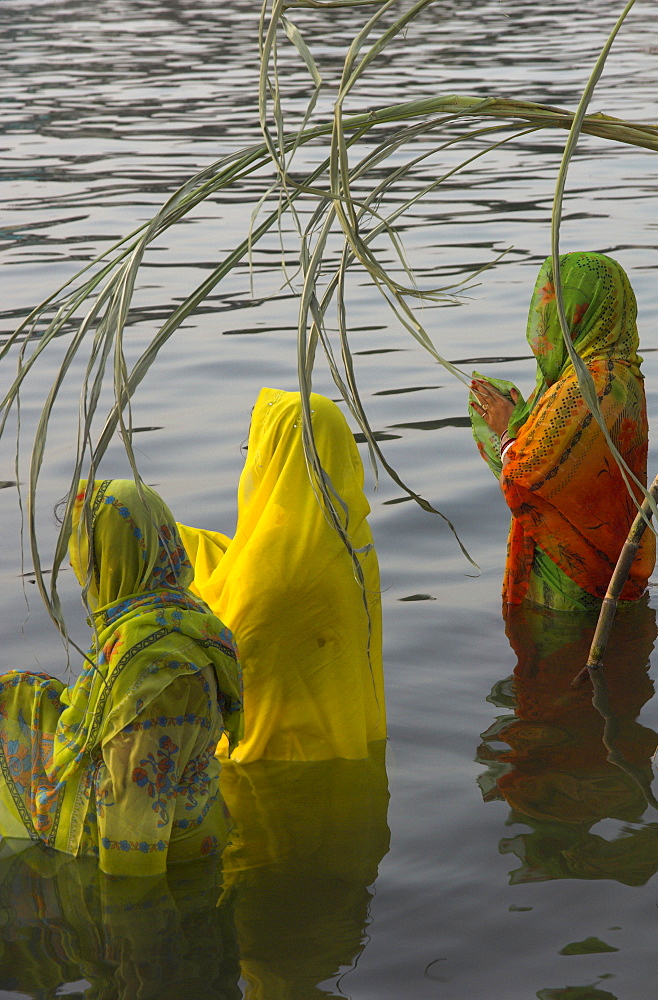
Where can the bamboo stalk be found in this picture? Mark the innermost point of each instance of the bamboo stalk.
(617, 581)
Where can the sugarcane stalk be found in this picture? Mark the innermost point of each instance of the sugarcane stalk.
(617, 581)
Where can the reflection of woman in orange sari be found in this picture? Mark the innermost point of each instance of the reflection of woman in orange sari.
(567, 765)
(571, 510)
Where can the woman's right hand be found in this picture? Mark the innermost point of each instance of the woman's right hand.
(494, 408)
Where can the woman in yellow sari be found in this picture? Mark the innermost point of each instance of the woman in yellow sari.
(303, 605)
(571, 508)
(121, 765)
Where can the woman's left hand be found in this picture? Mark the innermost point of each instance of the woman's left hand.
(493, 407)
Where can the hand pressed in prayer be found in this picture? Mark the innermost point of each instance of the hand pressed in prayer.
(493, 407)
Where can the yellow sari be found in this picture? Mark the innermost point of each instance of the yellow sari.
(121, 765)
(308, 631)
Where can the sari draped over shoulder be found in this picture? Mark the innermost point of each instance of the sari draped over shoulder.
(571, 508)
(121, 765)
(305, 608)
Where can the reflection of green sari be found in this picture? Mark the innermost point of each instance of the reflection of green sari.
(567, 766)
(158, 938)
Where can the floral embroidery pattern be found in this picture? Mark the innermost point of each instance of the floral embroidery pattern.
(25, 763)
(209, 845)
(152, 600)
(133, 845)
(628, 434)
(172, 558)
(103, 800)
(168, 720)
(578, 314)
(192, 824)
(546, 293)
(157, 773)
(125, 514)
(19, 757)
(195, 780)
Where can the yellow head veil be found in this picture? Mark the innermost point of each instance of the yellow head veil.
(308, 630)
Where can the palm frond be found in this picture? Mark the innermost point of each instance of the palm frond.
(344, 197)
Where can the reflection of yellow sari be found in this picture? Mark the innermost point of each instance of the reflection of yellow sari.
(308, 632)
(306, 846)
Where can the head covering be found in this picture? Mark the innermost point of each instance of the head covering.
(565, 491)
(601, 313)
(136, 547)
(150, 629)
(308, 629)
(600, 309)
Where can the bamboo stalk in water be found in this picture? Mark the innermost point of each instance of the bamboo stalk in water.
(611, 734)
(617, 581)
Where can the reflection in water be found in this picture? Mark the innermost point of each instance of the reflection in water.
(161, 937)
(573, 761)
(288, 913)
(308, 840)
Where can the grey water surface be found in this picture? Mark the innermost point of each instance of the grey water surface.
(521, 861)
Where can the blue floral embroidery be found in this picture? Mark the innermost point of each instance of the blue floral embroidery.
(123, 512)
(170, 601)
(195, 781)
(172, 558)
(103, 800)
(171, 720)
(133, 845)
(156, 773)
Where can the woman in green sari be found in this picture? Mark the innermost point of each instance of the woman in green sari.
(121, 764)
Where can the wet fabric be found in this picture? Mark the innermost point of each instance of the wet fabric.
(121, 764)
(571, 510)
(308, 628)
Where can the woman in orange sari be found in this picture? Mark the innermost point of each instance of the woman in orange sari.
(571, 508)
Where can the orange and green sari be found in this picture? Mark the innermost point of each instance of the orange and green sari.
(571, 509)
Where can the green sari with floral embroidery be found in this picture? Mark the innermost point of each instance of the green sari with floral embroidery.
(121, 765)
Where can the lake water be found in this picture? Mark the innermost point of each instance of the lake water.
(509, 838)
